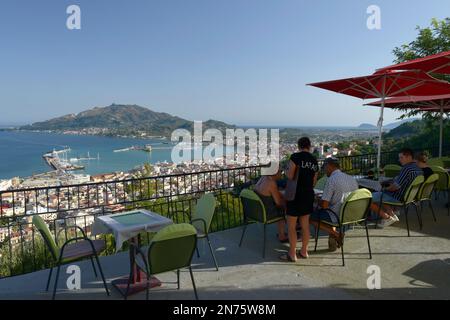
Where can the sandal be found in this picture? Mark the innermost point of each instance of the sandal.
(286, 258)
(300, 255)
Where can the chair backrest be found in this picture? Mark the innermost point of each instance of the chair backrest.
(320, 185)
(391, 170)
(43, 229)
(427, 187)
(253, 206)
(172, 248)
(436, 162)
(204, 209)
(444, 178)
(356, 206)
(446, 161)
(413, 189)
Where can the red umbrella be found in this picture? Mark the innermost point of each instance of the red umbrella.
(436, 63)
(386, 84)
(439, 104)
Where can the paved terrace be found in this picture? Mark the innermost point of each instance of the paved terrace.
(411, 268)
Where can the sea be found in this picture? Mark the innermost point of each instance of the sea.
(21, 152)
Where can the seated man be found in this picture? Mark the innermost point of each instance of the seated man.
(338, 186)
(275, 204)
(396, 190)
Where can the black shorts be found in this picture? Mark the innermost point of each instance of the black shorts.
(302, 205)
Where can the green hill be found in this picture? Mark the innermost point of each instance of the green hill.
(122, 119)
(419, 134)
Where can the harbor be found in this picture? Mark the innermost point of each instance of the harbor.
(60, 164)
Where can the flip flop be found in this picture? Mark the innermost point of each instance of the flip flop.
(286, 258)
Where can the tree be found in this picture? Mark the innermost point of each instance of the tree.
(431, 40)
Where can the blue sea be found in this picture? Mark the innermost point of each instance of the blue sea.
(21, 152)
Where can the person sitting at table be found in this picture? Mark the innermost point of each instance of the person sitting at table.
(267, 189)
(422, 163)
(395, 191)
(338, 186)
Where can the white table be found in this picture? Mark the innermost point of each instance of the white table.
(123, 230)
(372, 184)
(127, 226)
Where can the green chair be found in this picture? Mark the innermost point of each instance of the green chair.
(201, 219)
(320, 185)
(409, 199)
(255, 212)
(171, 248)
(72, 250)
(443, 184)
(355, 209)
(391, 170)
(446, 162)
(426, 191)
(436, 162)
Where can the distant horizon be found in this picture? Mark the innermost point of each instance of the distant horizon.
(227, 60)
(7, 124)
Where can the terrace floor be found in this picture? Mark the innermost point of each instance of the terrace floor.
(417, 267)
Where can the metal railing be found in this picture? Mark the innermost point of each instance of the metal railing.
(22, 249)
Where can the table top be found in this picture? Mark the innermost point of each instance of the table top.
(127, 225)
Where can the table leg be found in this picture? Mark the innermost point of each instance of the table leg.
(138, 280)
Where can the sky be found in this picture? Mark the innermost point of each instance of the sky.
(245, 62)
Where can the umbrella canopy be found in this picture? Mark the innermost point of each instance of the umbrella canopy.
(439, 104)
(437, 63)
(386, 84)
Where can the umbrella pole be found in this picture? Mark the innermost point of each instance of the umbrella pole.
(441, 132)
(380, 132)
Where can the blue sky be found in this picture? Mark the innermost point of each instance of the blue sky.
(240, 61)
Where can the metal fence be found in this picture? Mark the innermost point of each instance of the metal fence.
(22, 249)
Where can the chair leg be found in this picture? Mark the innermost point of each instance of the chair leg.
(147, 291)
(432, 210)
(178, 279)
(407, 222)
(129, 282)
(212, 253)
(101, 273)
(56, 281)
(49, 279)
(93, 267)
(243, 232)
(419, 217)
(317, 235)
(368, 241)
(193, 283)
(342, 249)
(448, 203)
(264, 241)
(196, 250)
